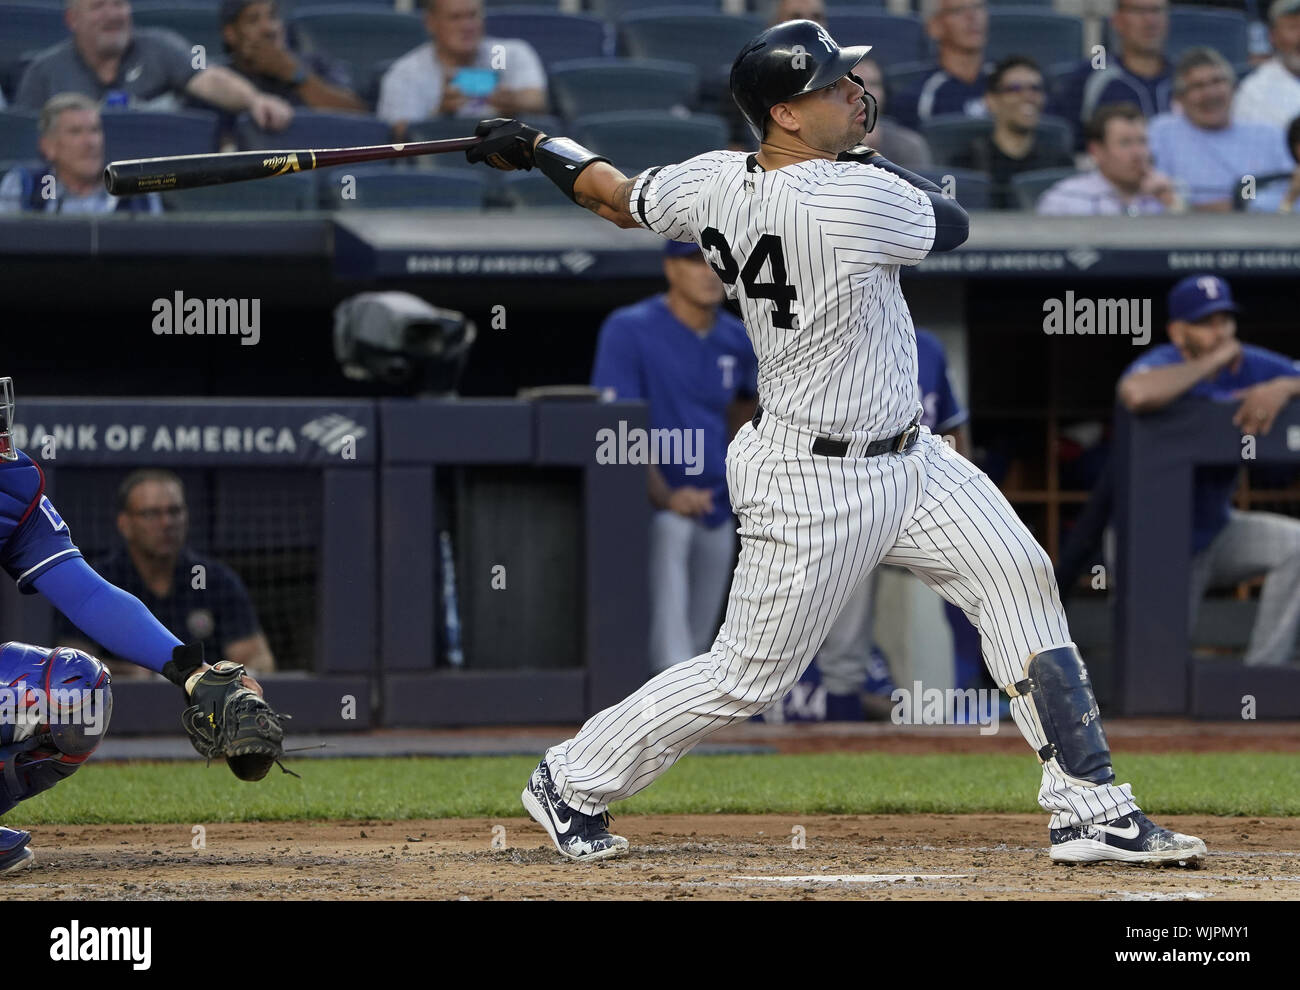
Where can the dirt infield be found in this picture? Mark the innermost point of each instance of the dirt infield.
(730, 857)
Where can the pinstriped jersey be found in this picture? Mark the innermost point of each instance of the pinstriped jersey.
(812, 253)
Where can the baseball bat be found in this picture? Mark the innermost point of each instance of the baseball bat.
(144, 175)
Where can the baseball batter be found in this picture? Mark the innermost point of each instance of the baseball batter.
(834, 475)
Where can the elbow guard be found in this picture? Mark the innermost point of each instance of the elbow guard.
(562, 161)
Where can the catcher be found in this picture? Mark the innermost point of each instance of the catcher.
(55, 704)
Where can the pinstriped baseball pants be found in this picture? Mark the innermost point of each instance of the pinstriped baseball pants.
(811, 527)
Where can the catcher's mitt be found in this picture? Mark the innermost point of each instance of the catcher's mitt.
(228, 719)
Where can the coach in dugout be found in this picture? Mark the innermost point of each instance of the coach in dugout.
(72, 178)
(147, 69)
(1205, 359)
(196, 598)
(692, 362)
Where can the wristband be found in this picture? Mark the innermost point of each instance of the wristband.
(562, 161)
(186, 659)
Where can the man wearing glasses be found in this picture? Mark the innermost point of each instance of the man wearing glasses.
(196, 598)
(1015, 101)
(960, 30)
(1137, 73)
(1203, 149)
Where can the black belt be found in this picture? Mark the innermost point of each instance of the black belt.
(828, 447)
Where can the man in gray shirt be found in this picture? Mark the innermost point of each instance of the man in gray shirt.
(147, 69)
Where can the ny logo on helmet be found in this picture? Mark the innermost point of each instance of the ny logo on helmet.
(825, 39)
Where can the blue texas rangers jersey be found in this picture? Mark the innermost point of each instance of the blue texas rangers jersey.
(688, 380)
(942, 410)
(33, 537)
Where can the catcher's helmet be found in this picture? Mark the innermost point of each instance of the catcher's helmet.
(788, 60)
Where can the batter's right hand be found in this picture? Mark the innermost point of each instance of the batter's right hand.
(507, 144)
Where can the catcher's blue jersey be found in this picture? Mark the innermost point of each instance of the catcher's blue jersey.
(33, 537)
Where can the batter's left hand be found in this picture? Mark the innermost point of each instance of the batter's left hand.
(1260, 405)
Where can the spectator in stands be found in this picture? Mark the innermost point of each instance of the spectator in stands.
(1015, 99)
(798, 10)
(901, 145)
(72, 181)
(1124, 180)
(1271, 94)
(461, 73)
(1205, 360)
(1292, 194)
(1138, 73)
(254, 38)
(146, 69)
(692, 362)
(196, 598)
(1203, 149)
(960, 28)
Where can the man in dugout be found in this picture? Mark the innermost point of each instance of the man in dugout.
(195, 598)
(1205, 359)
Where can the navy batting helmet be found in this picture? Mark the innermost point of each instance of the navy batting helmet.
(786, 61)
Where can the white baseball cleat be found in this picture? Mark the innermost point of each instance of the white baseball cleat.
(1134, 838)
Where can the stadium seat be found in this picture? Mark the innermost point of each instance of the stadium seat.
(612, 10)
(636, 139)
(360, 36)
(970, 189)
(312, 129)
(600, 85)
(285, 192)
(530, 191)
(197, 23)
(893, 38)
(146, 134)
(25, 28)
(1223, 30)
(903, 76)
(1028, 186)
(706, 40)
(950, 134)
(1045, 36)
(554, 36)
(18, 137)
(392, 189)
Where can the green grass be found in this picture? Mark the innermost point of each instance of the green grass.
(848, 783)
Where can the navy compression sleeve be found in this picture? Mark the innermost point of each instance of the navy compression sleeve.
(107, 614)
(951, 224)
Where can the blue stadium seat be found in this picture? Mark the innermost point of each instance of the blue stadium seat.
(1046, 37)
(531, 191)
(312, 129)
(950, 134)
(18, 137)
(392, 189)
(145, 134)
(197, 23)
(612, 10)
(902, 76)
(1028, 186)
(359, 35)
(1224, 30)
(706, 40)
(553, 35)
(893, 38)
(296, 191)
(970, 189)
(636, 139)
(25, 28)
(600, 85)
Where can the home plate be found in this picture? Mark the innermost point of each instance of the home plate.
(858, 877)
